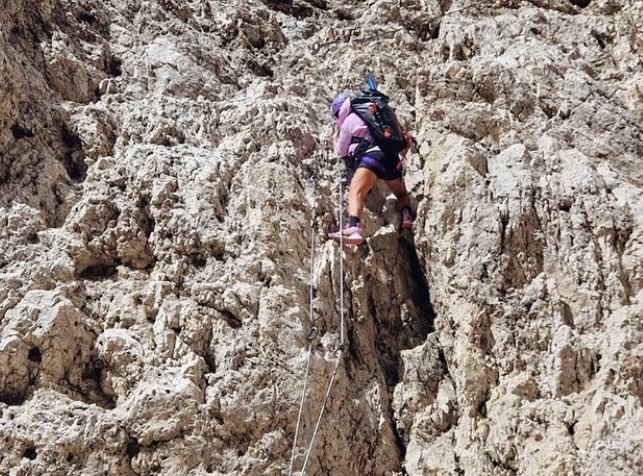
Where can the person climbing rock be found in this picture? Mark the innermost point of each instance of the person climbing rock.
(357, 120)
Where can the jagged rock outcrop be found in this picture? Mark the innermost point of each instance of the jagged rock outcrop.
(163, 170)
(536, 278)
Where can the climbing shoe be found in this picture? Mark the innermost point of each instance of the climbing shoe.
(407, 219)
(350, 235)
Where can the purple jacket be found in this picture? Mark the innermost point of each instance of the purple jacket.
(348, 125)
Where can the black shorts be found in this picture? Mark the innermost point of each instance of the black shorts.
(386, 167)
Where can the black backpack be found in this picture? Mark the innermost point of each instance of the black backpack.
(373, 108)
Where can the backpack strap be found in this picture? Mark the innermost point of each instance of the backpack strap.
(362, 145)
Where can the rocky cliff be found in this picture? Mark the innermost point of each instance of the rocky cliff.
(164, 184)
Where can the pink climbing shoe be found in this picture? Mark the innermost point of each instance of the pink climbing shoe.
(350, 235)
(407, 219)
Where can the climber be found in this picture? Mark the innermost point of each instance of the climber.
(354, 143)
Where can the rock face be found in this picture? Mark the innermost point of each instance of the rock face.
(164, 181)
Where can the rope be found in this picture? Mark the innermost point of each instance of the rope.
(321, 413)
(340, 347)
(313, 330)
(341, 262)
(301, 410)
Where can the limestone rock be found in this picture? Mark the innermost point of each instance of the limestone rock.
(165, 178)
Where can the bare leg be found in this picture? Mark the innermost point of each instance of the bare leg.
(362, 183)
(399, 190)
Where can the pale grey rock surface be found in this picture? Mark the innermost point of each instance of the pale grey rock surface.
(156, 200)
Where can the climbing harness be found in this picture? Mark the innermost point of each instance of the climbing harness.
(313, 333)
